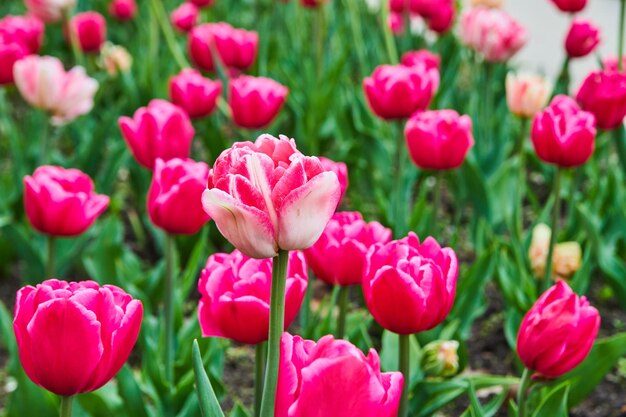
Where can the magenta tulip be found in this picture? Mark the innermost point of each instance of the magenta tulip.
(10, 53)
(265, 196)
(89, 28)
(570, 6)
(202, 3)
(422, 57)
(255, 101)
(410, 287)
(194, 93)
(439, 139)
(237, 48)
(61, 202)
(563, 134)
(123, 10)
(333, 378)
(338, 257)
(185, 16)
(558, 332)
(174, 198)
(235, 295)
(74, 337)
(603, 93)
(340, 169)
(160, 130)
(582, 38)
(398, 91)
(25, 30)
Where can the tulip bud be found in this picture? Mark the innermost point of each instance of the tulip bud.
(570, 6)
(603, 93)
(49, 11)
(255, 101)
(202, 3)
(115, 59)
(123, 9)
(194, 93)
(441, 17)
(89, 29)
(184, 17)
(526, 94)
(423, 57)
(538, 250)
(440, 358)
(566, 259)
(610, 63)
(395, 21)
(10, 53)
(558, 332)
(582, 38)
(237, 48)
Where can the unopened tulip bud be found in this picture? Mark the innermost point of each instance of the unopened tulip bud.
(526, 94)
(494, 4)
(115, 59)
(440, 358)
(538, 251)
(582, 38)
(567, 259)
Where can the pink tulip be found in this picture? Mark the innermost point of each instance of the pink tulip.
(160, 130)
(340, 169)
(313, 3)
(174, 198)
(582, 38)
(397, 6)
(441, 18)
(333, 378)
(89, 28)
(49, 11)
(25, 30)
(558, 332)
(61, 202)
(235, 295)
(526, 94)
(398, 91)
(123, 10)
(194, 93)
(492, 33)
(74, 337)
(603, 93)
(410, 287)
(563, 134)
(237, 48)
(185, 16)
(255, 101)
(438, 139)
(338, 257)
(422, 58)
(570, 6)
(10, 53)
(395, 21)
(265, 196)
(610, 63)
(202, 3)
(43, 83)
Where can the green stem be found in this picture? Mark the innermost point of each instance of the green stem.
(320, 32)
(79, 57)
(168, 32)
(51, 249)
(437, 205)
(405, 368)
(564, 78)
(390, 43)
(259, 375)
(305, 311)
(45, 144)
(400, 205)
(522, 176)
(521, 393)
(357, 33)
(66, 407)
(344, 293)
(620, 41)
(169, 308)
(556, 212)
(277, 326)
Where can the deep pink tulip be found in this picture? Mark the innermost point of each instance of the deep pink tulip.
(582, 38)
(185, 16)
(235, 295)
(439, 139)
(333, 378)
(338, 257)
(558, 332)
(255, 101)
(422, 57)
(439, 14)
(90, 30)
(202, 3)
(265, 196)
(74, 337)
(610, 63)
(395, 21)
(603, 93)
(237, 48)
(340, 169)
(49, 11)
(492, 32)
(123, 10)
(25, 30)
(397, 6)
(313, 3)
(175, 195)
(43, 83)
(570, 6)
(194, 93)
(410, 287)
(563, 134)
(398, 91)
(10, 53)
(61, 202)
(160, 130)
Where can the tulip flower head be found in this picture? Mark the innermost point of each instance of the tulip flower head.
(570, 6)
(582, 38)
(115, 59)
(194, 93)
(236, 48)
(526, 94)
(340, 169)
(558, 332)
(184, 17)
(566, 259)
(235, 295)
(603, 93)
(28, 31)
(89, 28)
(410, 286)
(123, 10)
(255, 101)
(74, 337)
(265, 196)
(49, 11)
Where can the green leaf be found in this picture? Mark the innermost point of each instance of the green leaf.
(131, 393)
(554, 404)
(209, 406)
(239, 411)
(389, 355)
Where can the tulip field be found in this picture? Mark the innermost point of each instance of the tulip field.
(309, 208)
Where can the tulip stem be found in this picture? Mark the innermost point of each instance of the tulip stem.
(438, 176)
(390, 44)
(556, 212)
(405, 368)
(344, 293)
(66, 406)
(400, 204)
(259, 375)
(521, 393)
(168, 32)
(79, 58)
(620, 41)
(51, 249)
(522, 175)
(357, 33)
(169, 309)
(277, 326)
